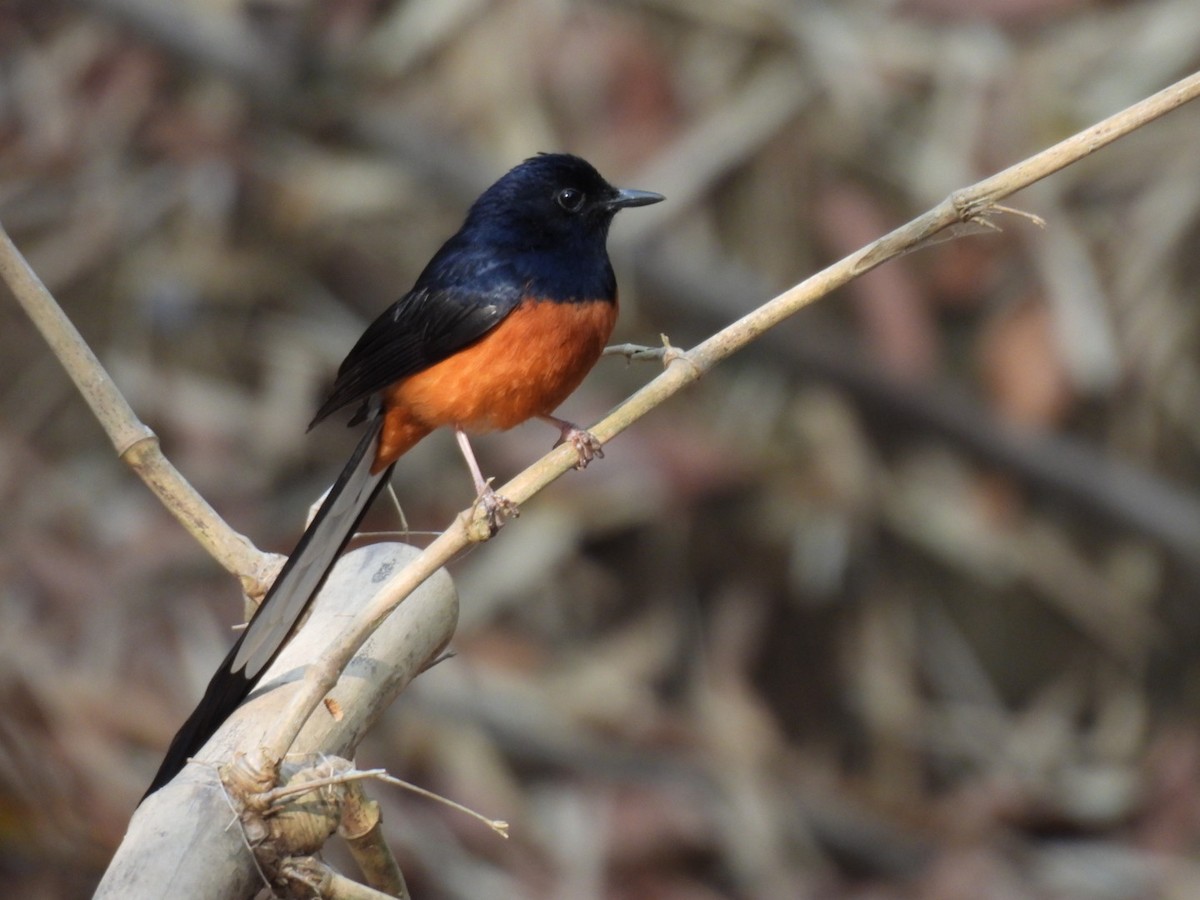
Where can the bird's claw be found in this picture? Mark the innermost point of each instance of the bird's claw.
(587, 445)
(496, 509)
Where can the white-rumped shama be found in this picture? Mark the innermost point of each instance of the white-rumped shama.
(501, 326)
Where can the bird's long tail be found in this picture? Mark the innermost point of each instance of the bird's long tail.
(295, 586)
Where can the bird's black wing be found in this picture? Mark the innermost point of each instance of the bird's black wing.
(438, 317)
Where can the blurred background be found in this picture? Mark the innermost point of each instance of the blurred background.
(901, 602)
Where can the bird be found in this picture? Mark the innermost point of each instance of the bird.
(501, 326)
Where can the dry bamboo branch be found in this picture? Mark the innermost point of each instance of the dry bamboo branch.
(135, 443)
(179, 841)
(362, 830)
(969, 205)
(315, 878)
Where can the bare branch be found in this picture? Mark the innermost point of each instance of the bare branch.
(178, 842)
(135, 443)
(362, 830)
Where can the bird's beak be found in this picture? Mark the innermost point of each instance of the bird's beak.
(627, 197)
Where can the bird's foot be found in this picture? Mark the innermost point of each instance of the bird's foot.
(496, 509)
(587, 445)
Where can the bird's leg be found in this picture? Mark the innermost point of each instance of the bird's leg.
(496, 509)
(587, 445)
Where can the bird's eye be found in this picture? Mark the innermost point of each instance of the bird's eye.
(569, 199)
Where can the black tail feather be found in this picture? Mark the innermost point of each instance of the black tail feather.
(297, 583)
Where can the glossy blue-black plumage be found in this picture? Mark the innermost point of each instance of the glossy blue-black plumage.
(518, 242)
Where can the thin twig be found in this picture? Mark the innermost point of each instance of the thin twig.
(275, 795)
(636, 352)
(497, 825)
(667, 353)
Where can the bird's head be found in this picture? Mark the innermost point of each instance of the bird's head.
(553, 197)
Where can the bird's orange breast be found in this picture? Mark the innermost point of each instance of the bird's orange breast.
(524, 367)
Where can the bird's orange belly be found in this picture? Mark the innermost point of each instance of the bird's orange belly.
(524, 367)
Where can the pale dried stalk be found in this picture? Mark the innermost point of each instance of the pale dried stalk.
(362, 830)
(135, 443)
